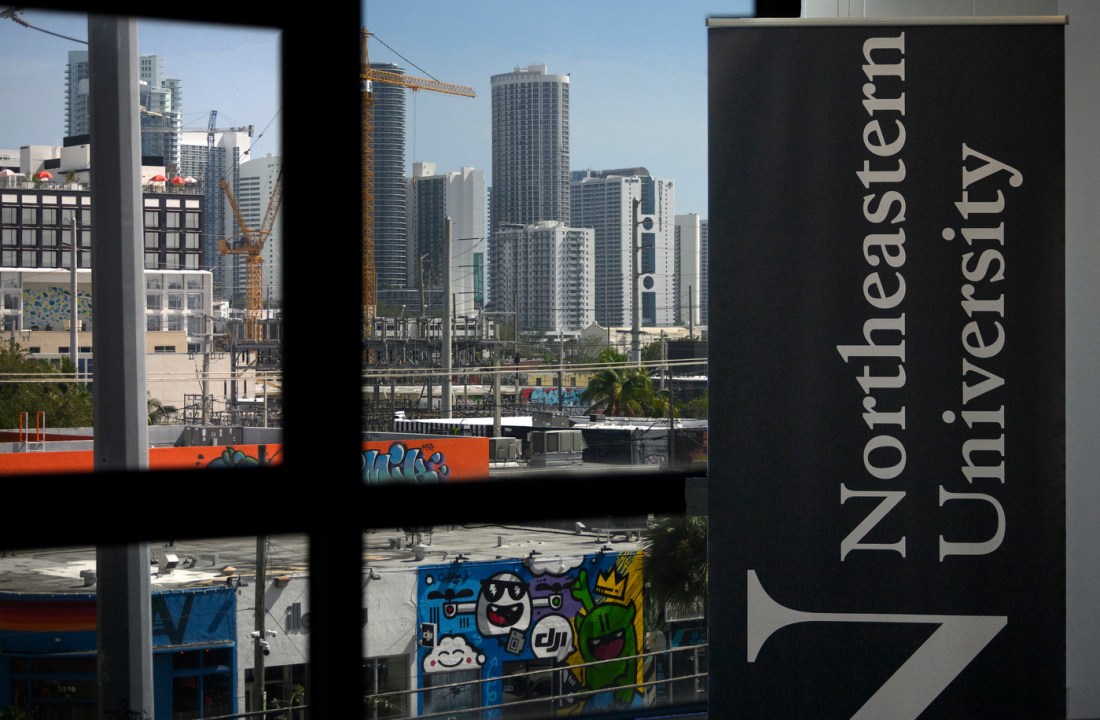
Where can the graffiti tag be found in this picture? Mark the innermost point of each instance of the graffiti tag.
(403, 464)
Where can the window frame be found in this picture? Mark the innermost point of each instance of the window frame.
(335, 541)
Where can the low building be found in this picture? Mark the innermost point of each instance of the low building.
(516, 618)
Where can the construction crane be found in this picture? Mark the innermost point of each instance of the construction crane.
(251, 245)
(368, 76)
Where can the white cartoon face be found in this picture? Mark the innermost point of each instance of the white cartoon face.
(503, 605)
(452, 653)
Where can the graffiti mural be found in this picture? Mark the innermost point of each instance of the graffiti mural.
(571, 397)
(582, 620)
(423, 461)
(399, 462)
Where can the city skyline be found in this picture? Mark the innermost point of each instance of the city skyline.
(36, 55)
(650, 55)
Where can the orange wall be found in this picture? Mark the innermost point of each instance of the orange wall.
(171, 458)
(426, 460)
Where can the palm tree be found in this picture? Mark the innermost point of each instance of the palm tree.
(619, 391)
(676, 567)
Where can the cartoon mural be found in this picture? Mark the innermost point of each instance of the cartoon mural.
(584, 620)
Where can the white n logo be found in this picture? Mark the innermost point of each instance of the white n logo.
(920, 679)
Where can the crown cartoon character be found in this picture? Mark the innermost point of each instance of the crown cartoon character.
(611, 584)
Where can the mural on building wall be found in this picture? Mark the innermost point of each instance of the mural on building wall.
(160, 458)
(498, 619)
(425, 461)
(50, 308)
(571, 397)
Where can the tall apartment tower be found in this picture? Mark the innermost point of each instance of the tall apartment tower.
(603, 200)
(432, 199)
(257, 185)
(704, 271)
(160, 96)
(208, 160)
(689, 270)
(530, 147)
(389, 183)
(543, 273)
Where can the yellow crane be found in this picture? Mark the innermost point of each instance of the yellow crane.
(251, 245)
(368, 76)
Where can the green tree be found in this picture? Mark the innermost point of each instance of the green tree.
(620, 391)
(159, 413)
(66, 403)
(611, 356)
(697, 407)
(653, 351)
(675, 548)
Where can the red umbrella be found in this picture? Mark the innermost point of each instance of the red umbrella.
(43, 175)
(157, 178)
(177, 180)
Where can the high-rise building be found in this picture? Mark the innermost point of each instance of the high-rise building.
(159, 96)
(257, 188)
(433, 198)
(208, 159)
(530, 145)
(689, 270)
(704, 271)
(389, 182)
(543, 273)
(603, 200)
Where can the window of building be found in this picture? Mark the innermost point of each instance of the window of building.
(201, 683)
(29, 216)
(164, 348)
(172, 220)
(154, 281)
(152, 219)
(152, 261)
(153, 323)
(8, 236)
(191, 261)
(152, 239)
(153, 301)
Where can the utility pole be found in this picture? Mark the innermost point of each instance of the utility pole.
(445, 400)
(259, 686)
(74, 350)
(635, 276)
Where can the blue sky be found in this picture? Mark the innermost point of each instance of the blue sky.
(637, 71)
(229, 69)
(638, 77)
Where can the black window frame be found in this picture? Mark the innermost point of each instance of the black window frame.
(324, 46)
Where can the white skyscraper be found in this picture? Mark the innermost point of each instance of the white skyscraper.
(530, 139)
(543, 272)
(603, 200)
(257, 188)
(432, 199)
(689, 269)
(159, 96)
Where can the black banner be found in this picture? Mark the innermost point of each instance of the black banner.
(887, 413)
